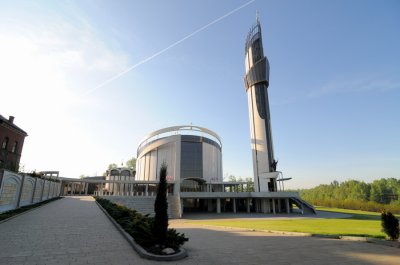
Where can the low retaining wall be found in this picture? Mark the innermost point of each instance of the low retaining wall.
(18, 190)
(145, 204)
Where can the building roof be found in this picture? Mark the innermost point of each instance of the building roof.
(180, 130)
(6, 121)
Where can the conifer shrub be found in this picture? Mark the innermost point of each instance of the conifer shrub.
(160, 225)
(140, 227)
(390, 225)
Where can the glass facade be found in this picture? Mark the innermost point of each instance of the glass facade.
(191, 157)
(189, 185)
(260, 100)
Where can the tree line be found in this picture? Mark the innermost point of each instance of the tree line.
(381, 194)
(130, 163)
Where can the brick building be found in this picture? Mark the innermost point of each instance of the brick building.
(11, 142)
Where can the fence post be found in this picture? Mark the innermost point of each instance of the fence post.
(20, 190)
(41, 193)
(33, 193)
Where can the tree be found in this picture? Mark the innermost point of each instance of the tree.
(160, 226)
(379, 191)
(110, 166)
(131, 163)
(390, 225)
(232, 178)
(250, 184)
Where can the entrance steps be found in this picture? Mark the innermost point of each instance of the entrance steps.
(304, 206)
(145, 204)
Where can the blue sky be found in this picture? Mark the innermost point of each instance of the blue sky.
(334, 82)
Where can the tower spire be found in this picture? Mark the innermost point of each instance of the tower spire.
(256, 83)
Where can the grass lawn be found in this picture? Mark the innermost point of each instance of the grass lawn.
(356, 214)
(360, 224)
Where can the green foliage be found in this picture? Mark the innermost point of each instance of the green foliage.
(131, 163)
(249, 183)
(390, 225)
(353, 194)
(140, 226)
(329, 226)
(360, 223)
(110, 166)
(355, 214)
(160, 225)
(176, 239)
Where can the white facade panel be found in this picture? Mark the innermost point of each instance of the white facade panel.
(211, 163)
(153, 165)
(153, 152)
(142, 164)
(259, 137)
(167, 154)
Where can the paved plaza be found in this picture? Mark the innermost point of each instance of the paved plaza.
(73, 230)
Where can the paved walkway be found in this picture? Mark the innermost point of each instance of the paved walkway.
(74, 231)
(214, 245)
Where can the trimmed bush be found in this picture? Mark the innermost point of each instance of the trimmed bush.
(160, 225)
(390, 225)
(140, 227)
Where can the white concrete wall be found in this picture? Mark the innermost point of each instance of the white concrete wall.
(37, 197)
(167, 154)
(169, 150)
(27, 191)
(20, 190)
(261, 161)
(9, 191)
(149, 164)
(212, 163)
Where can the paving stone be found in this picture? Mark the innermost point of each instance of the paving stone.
(74, 231)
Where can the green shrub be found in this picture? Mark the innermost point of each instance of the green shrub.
(390, 225)
(140, 226)
(175, 239)
(160, 225)
(357, 205)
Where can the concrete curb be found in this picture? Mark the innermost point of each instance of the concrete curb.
(395, 244)
(27, 211)
(259, 230)
(354, 238)
(140, 250)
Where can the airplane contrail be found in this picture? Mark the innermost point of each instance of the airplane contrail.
(165, 49)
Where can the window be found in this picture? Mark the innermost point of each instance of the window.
(5, 143)
(14, 148)
(191, 159)
(257, 49)
(260, 100)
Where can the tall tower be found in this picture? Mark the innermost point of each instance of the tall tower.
(256, 82)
